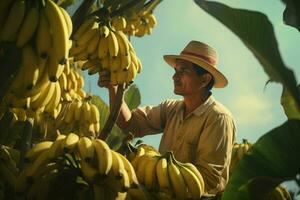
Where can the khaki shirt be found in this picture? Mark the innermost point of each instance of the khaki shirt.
(205, 137)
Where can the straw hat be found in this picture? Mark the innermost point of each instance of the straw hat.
(202, 55)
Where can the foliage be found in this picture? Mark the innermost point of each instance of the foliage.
(133, 99)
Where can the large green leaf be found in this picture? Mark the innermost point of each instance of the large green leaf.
(274, 155)
(256, 32)
(132, 97)
(289, 105)
(291, 13)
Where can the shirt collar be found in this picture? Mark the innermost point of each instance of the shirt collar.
(200, 109)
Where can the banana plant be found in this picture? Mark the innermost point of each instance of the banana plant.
(132, 98)
(273, 158)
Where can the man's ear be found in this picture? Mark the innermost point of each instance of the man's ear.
(206, 78)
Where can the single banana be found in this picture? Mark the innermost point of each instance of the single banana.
(92, 44)
(55, 99)
(86, 148)
(193, 168)
(31, 63)
(29, 26)
(59, 29)
(103, 49)
(87, 24)
(70, 142)
(123, 43)
(13, 22)
(43, 37)
(162, 173)
(68, 21)
(56, 149)
(193, 184)
(130, 170)
(177, 181)
(150, 173)
(113, 45)
(39, 148)
(104, 156)
(88, 34)
(55, 69)
(44, 98)
(39, 162)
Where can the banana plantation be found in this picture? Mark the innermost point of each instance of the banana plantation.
(60, 141)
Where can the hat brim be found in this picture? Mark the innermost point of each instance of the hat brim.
(220, 79)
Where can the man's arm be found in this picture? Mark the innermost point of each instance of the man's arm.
(125, 113)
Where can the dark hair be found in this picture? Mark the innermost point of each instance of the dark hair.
(200, 71)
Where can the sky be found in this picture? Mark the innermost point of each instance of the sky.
(256, 108)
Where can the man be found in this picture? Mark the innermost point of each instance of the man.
(198, 129)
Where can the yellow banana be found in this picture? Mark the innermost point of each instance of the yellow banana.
(88, 34)
(119, 23)
(87, 24)
(31, 63)
(193, 168)
(113, 46)
(150, 173)
(130, 170)
(56, 149)
(94, 114)
(13, 22)
(151, 20)
(55, 99)
(44, 97)
(39, 148)
(103, 49)
(43, 37)
(39, 162)
(123, 43)
(70, 142)
(177, 181)
(162, 174)
(68, 21)
(104, 156)
(28, 27)
(76, 50)
(92, 44)
(86, 148)
(125, 61)
(115, 64)
(77, 112)
(59, 31)
(86, 112)
(193, 184)
(55, 69)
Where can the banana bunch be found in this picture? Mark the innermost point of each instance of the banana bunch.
(104, 47)
(42, 31)
(72, 84)
(140, 24)
(279, 193)
(78, 116)
(165, 177)
(238, 151)
(119, 23)
(100, 166)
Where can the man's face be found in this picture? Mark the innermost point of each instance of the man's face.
(186, 80)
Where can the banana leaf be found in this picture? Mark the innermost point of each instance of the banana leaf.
(132, 97)
(274, 156)
(289, 105)
(291, 14)
(256, 32)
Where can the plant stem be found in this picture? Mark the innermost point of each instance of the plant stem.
(113, 115)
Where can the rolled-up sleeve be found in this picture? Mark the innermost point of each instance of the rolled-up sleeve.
(214, 152)
(147, 120)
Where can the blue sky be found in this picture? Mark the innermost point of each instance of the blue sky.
(256, 108)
